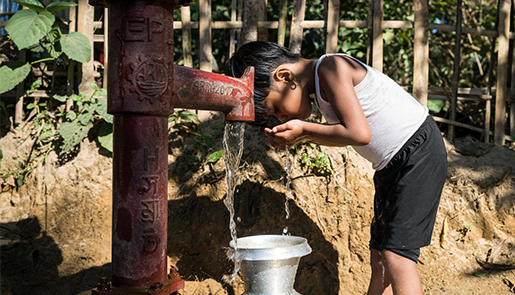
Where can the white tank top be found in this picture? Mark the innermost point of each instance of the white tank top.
(391, 112)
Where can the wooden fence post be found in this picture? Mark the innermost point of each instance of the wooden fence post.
(502, 71)
(332, 25)
(456, 70)
(281, 29)
(232, 35)
(377, 35)
(250, 17)
(186, 36)
(85, 21)
(421, 52)
(262, 32)
(106, 48)
(299, 9)
(72, 16)
(206, 53)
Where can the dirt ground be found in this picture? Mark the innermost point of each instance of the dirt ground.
(56, 228)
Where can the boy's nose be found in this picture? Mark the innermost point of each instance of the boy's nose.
(282, 118)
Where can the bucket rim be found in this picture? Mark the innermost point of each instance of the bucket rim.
(270, 247)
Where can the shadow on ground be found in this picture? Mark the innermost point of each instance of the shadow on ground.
(30, 260)
(199, 234)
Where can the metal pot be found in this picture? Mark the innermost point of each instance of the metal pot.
(269, 263)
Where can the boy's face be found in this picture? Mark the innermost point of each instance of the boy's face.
(286, 102)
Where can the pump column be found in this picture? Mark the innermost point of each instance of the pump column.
(141, 77)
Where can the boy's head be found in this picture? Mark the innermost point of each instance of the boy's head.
(265, 57)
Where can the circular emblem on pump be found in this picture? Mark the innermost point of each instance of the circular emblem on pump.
(148, 78)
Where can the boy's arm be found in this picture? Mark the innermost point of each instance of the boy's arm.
(338, 76)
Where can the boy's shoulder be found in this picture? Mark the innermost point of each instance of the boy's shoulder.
(338, 63)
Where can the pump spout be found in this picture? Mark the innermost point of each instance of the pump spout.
(201, 90)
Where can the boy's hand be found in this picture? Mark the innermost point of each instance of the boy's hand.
(287, 134)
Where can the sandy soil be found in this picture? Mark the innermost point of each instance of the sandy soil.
(56, 229)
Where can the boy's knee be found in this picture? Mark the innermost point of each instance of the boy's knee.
(377, 260)
(395, 259)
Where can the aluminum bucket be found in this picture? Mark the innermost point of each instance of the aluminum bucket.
(269, 263)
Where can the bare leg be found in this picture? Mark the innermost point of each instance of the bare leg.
(380, 281)
(403, 274)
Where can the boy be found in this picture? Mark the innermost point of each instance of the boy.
(370, 112)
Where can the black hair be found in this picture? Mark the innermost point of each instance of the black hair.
(265, 57)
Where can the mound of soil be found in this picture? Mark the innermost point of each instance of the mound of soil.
(56, 228)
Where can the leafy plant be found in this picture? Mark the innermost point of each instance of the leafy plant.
(35, 29)
(51, 133)
(313, 160)
(183, 120)
(25, 167)
(87, 112)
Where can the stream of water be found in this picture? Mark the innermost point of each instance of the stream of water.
(233, 149)
(288, 166)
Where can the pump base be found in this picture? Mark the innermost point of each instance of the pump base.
(171, 286)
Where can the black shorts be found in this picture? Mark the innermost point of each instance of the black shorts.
(408, 193)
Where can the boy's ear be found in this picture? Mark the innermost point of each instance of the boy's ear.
(283, 75)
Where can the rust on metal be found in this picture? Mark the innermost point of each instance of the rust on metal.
(201, 90)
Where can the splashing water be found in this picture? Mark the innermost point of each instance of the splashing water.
(233, 149)
(288, 166)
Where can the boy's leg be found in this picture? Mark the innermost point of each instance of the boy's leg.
(403, 274)
(406, 201)
(380, 280)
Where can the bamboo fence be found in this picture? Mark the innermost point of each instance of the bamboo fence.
(248, 22)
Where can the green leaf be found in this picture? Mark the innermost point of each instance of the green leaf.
(13, 74)
(20, 179)
(71, 115)
(105, 136)
(53, 46)
(46, 134)
(188, 116)
(61, 98)
(36, 84)
(435, 105)
(214, 157)
(480, 274)
(55, 6)
(101, 92)
(72, 134)
(27, 27)
(76, 46)
(101, 109)
(31, 4)
(54, 35)
(94, 85)
(85, 118)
